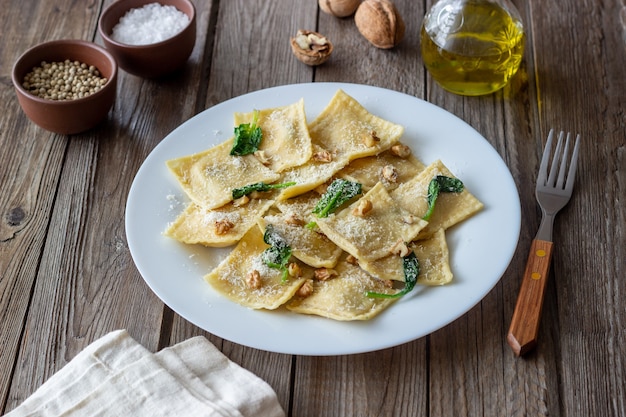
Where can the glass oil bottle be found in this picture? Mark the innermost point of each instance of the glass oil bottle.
(472, 47)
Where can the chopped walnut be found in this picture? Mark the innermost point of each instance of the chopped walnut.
(306, 289)
(253, 280)
(310, 40)
(352, 260)
(400, 150)
(223, 226)
(364, 207)
(294, 220)
(400, 248)
(323, 274)
(323, 156)
(408, 219)
(241, 201)
(263, 157)
(294, 270)
(389, 173)
(370, 139)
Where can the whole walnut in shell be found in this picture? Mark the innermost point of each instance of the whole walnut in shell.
(380, 23)
(339, 8)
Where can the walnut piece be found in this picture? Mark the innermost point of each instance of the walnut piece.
(253, 279)
(223, 226)
(294, 270)
(371, 139)
(323, 274)
(400, 150)
(306, 289)
(311, 47)
(352, 260)
(263, 157)
(380, 23)
(389, 173)
(364, 207)
(400, 248)
(323, 156)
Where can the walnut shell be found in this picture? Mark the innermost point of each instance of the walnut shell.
(339, 8)
(380, 23)
(311, 47)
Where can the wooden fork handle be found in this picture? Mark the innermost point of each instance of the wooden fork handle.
(524, 328)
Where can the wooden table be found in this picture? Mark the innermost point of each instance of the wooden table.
(67, 276)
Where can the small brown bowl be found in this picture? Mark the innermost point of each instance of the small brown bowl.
(151, 60)
(68, 116)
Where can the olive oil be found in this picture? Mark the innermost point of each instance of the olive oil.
(472, 47)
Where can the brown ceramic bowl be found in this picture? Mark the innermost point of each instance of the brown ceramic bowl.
(152, 60)
(68, 116)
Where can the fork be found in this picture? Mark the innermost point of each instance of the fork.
(553, 192)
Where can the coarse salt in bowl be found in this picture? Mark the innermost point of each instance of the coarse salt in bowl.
(149, 38)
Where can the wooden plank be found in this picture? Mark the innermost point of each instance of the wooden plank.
(86, 264)
(390, 382)
(590, 317)
(31, 167)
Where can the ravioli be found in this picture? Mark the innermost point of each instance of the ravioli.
(307, 245)
(450, 208)
(432, 255)
(310, 175)
(343, 297)
(231, 276)
(209, 177)
(286, 142)
(369, 171)
(375, 234)
(219, 227)
(349, 131)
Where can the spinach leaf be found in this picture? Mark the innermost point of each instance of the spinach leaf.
(440, 184)
(247, 137)
(336, 194)
(258, 186)
(411, 268)
(278, 254)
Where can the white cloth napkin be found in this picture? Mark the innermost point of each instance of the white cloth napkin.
(116, 376)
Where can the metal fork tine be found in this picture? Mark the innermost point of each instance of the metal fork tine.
(543, 168)
(573, 165)
(555, 161)
(564, 160)
(551, 196)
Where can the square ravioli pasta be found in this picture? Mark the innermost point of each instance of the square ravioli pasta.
(450, 208)
(348, 131)
(372, 233)
(310, 247)
(343, 297)
(286, 142)
(223, 226)
(209, 177)
(432, 255)
(244, 278)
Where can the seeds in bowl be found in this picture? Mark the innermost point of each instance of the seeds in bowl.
(149, 24)
(63, 80)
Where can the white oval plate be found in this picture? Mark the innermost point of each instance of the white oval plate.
(480, 248)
